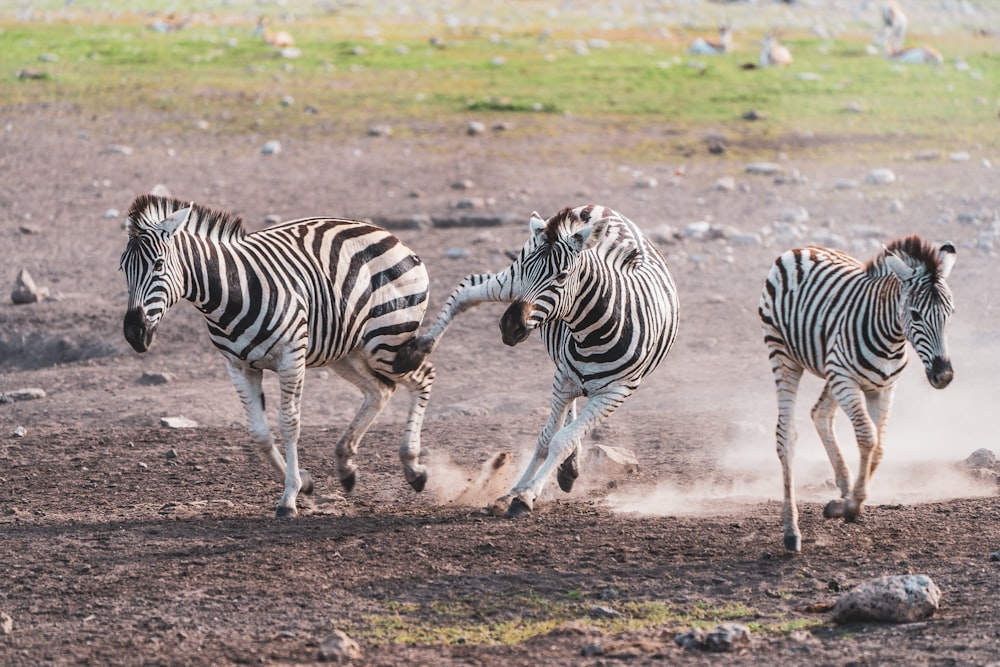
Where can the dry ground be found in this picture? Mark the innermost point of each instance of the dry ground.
(111, 554)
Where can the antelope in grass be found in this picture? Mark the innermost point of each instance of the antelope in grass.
(893, 26)
(773, 52)
(704, 46)
(279, 39)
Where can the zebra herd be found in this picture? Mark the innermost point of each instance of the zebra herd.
(349, 295)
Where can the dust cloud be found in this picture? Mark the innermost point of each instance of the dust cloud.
(452, 485)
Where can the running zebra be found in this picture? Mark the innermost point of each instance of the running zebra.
(848, 323)
(605, 304)
(306, 293)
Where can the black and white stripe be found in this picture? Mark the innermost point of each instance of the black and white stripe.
(847, 322)
(606, 307)
(305, 293)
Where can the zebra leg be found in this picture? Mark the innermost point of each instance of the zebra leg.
(822, 414)
(377, 390)
(787, 376)
(879, 405)
(248, 383)
(419, 385)
(569, 469)
(854, 403)
(290, 378)
(599, 407)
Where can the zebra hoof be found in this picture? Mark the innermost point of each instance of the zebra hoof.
(518, 508)
(566, 475)
(307, 483)
(349, 480)
(834, 509)
(852, 511)
(285, 512)
(418, 482)
(793, 543)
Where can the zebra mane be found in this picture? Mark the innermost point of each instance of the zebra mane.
(148, 210)
(622, 234)
(911, 249)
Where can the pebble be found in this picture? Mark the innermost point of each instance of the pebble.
(845, 184)
(896, 206)
(30, 394)
(881, 176)
(764, 168)
(272, 147)
(26, 291)
(475, 127)
(745, 239)
(152, 379)
(456, 253)
(724, 637)
(338, 647)
(959, 157)
(112, 214)
(600, 611)
(178, 422)
(119, 149)
(646, 182)
(890, 599)
(798, 215)
(19, 432)
(724, 184)
(380, 131)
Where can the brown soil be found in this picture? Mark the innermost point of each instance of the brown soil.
(113, 553)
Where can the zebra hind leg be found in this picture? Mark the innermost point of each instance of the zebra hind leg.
(569, 469)
(419, 385)
(377, 390)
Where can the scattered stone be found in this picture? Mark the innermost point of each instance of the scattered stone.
(31, 74)
(178, 422)
(119, 149)
(927, 155)
(26, 291)
(724, 637)
(415, 221)
(808, 76)
(160, 190)
(717, 148)
(753, 114)
(475, 127)
(112, 214)
(593, 649)
(272, 147)
(6, 623)
(338, 648)
(201, 124)
(19, 432)
(22, 395)
(471, 202)
(28, 230)
(600, 611)
(664, 234)
(456, 253)
(881, 176)
(724, 184)
(290, 52)
(797, 215)
(895, 206)
(697, 230)
(612, 460)
(463, 184)
(853, 107)
(846, 184)
(272, 219)
(890, 599)
(981, 458)
(960, 156)
(995, 556)
(287, 101)
(764, 168)
(380, 131)
(151, 379)
(646, 182)
(171, 454)
(745, 239)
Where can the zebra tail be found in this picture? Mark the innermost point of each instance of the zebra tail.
(412, 354)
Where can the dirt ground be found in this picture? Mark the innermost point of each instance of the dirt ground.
(122, 542)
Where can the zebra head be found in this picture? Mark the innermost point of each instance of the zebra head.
(149, 263)
(546, 271)
(926, 303)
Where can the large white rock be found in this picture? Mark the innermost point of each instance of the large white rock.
(891, 599)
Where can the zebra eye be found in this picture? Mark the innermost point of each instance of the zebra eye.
(158, 265)
(916, 316)
(562, 276)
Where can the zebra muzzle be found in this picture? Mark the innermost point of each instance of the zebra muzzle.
(514, 323)
(138, 335)
(940, 374)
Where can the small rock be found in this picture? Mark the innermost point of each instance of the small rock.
(171, 454)
(717, 148)
(463, 184)
(475, 127)
(22, 395)
(119, 149)
(612, 460)
(764, 168)
(927, 155)
(25, 290)
(881, 176)
(697, 230)
(338, 647)
(272, 219)
(456, 253)
(896, 206)
(891, 599)
(6, 623)
(981, 458)
(112, 214)
(959, 157)
(160, 190)
(472, 202)
(853, 107)
(664, 233)
(753, 114)
(797, 215)
(287, 101)
(380, 131)
(745, 239)
(995, 556)
(845, 184)
(600, 611)
(178, 422)
(150, 379)
(646, 182)
(19, 432)
(272, 147)
(724, 184)
(724, 637)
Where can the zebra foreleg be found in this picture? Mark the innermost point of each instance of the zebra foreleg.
(377, 390)
(822, 414)
(853, 402)
(569, 469)
(787, 383)
(249, 387)
(290, 378)
(879, 405)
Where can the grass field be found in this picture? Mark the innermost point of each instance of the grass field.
(360, 67)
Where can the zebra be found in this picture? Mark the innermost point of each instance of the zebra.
(305, 293)
(606, 306)
(848, 323)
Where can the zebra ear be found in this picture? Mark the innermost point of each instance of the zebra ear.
(536, 223)
(593, 234)
(947, 255)
(169, 226)
(902, 270)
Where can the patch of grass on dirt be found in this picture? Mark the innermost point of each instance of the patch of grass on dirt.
(483, 620)
(223, 73)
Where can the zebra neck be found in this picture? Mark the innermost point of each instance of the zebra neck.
(887, 306)
(209, 268)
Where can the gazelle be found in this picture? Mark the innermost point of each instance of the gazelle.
(279, 39)
(893, 25)
(703, 46)
(914, 54)
(774, 53)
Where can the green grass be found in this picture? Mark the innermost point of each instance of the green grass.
(486, 620)
(223, 74)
